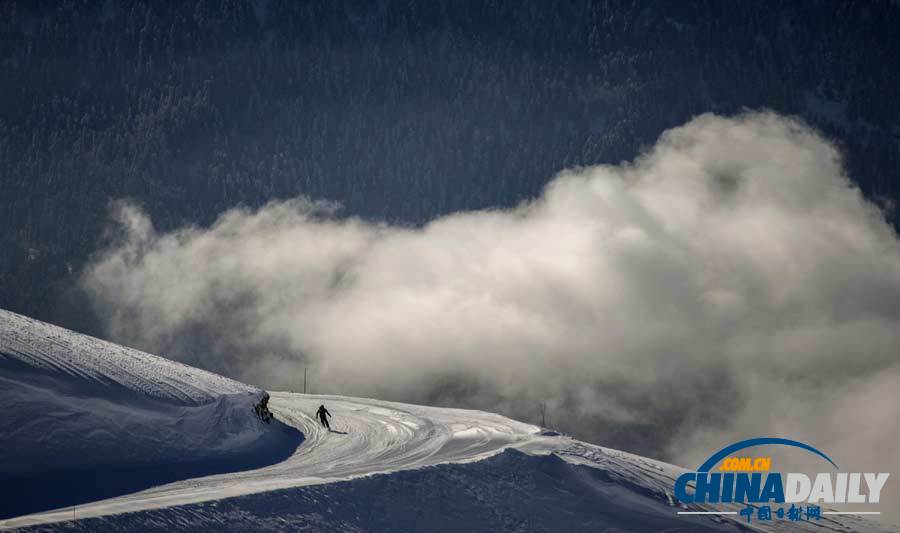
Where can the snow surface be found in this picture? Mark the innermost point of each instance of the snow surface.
(385, 466)
(71, 404)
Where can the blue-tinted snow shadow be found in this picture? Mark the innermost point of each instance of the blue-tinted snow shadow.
(511, 491)
(22, 496)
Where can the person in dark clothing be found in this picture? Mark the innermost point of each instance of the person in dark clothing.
(323, 415)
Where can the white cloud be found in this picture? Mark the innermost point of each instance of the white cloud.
(731, 280)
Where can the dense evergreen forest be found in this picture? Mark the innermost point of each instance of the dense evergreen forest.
(400, 111)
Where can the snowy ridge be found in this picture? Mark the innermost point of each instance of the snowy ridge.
(373, 437)
(420, 462)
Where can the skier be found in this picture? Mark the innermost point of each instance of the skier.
(323, 415)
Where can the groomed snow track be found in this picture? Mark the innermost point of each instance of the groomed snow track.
(367, 437)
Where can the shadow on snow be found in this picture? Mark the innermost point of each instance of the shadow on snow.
(21, 496)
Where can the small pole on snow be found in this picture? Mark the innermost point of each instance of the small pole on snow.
(304, 380)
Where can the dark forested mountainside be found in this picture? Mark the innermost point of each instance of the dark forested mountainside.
(399, 111)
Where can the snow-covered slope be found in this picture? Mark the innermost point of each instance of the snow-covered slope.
(70, 403)
(386, 466)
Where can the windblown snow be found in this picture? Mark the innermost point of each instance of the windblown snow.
(71, 403)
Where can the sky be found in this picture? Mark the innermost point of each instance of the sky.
(729, 282)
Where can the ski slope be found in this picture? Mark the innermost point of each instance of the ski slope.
(384, 466)
(73, 406)
(373, 437)
(368, 437)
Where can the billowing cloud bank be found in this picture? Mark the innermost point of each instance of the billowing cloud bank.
(730, 282)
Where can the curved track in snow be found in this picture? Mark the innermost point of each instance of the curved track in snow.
(367, 437)
(372, 437)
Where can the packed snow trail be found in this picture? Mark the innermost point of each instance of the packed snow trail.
(375, 437)
(367, 437)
